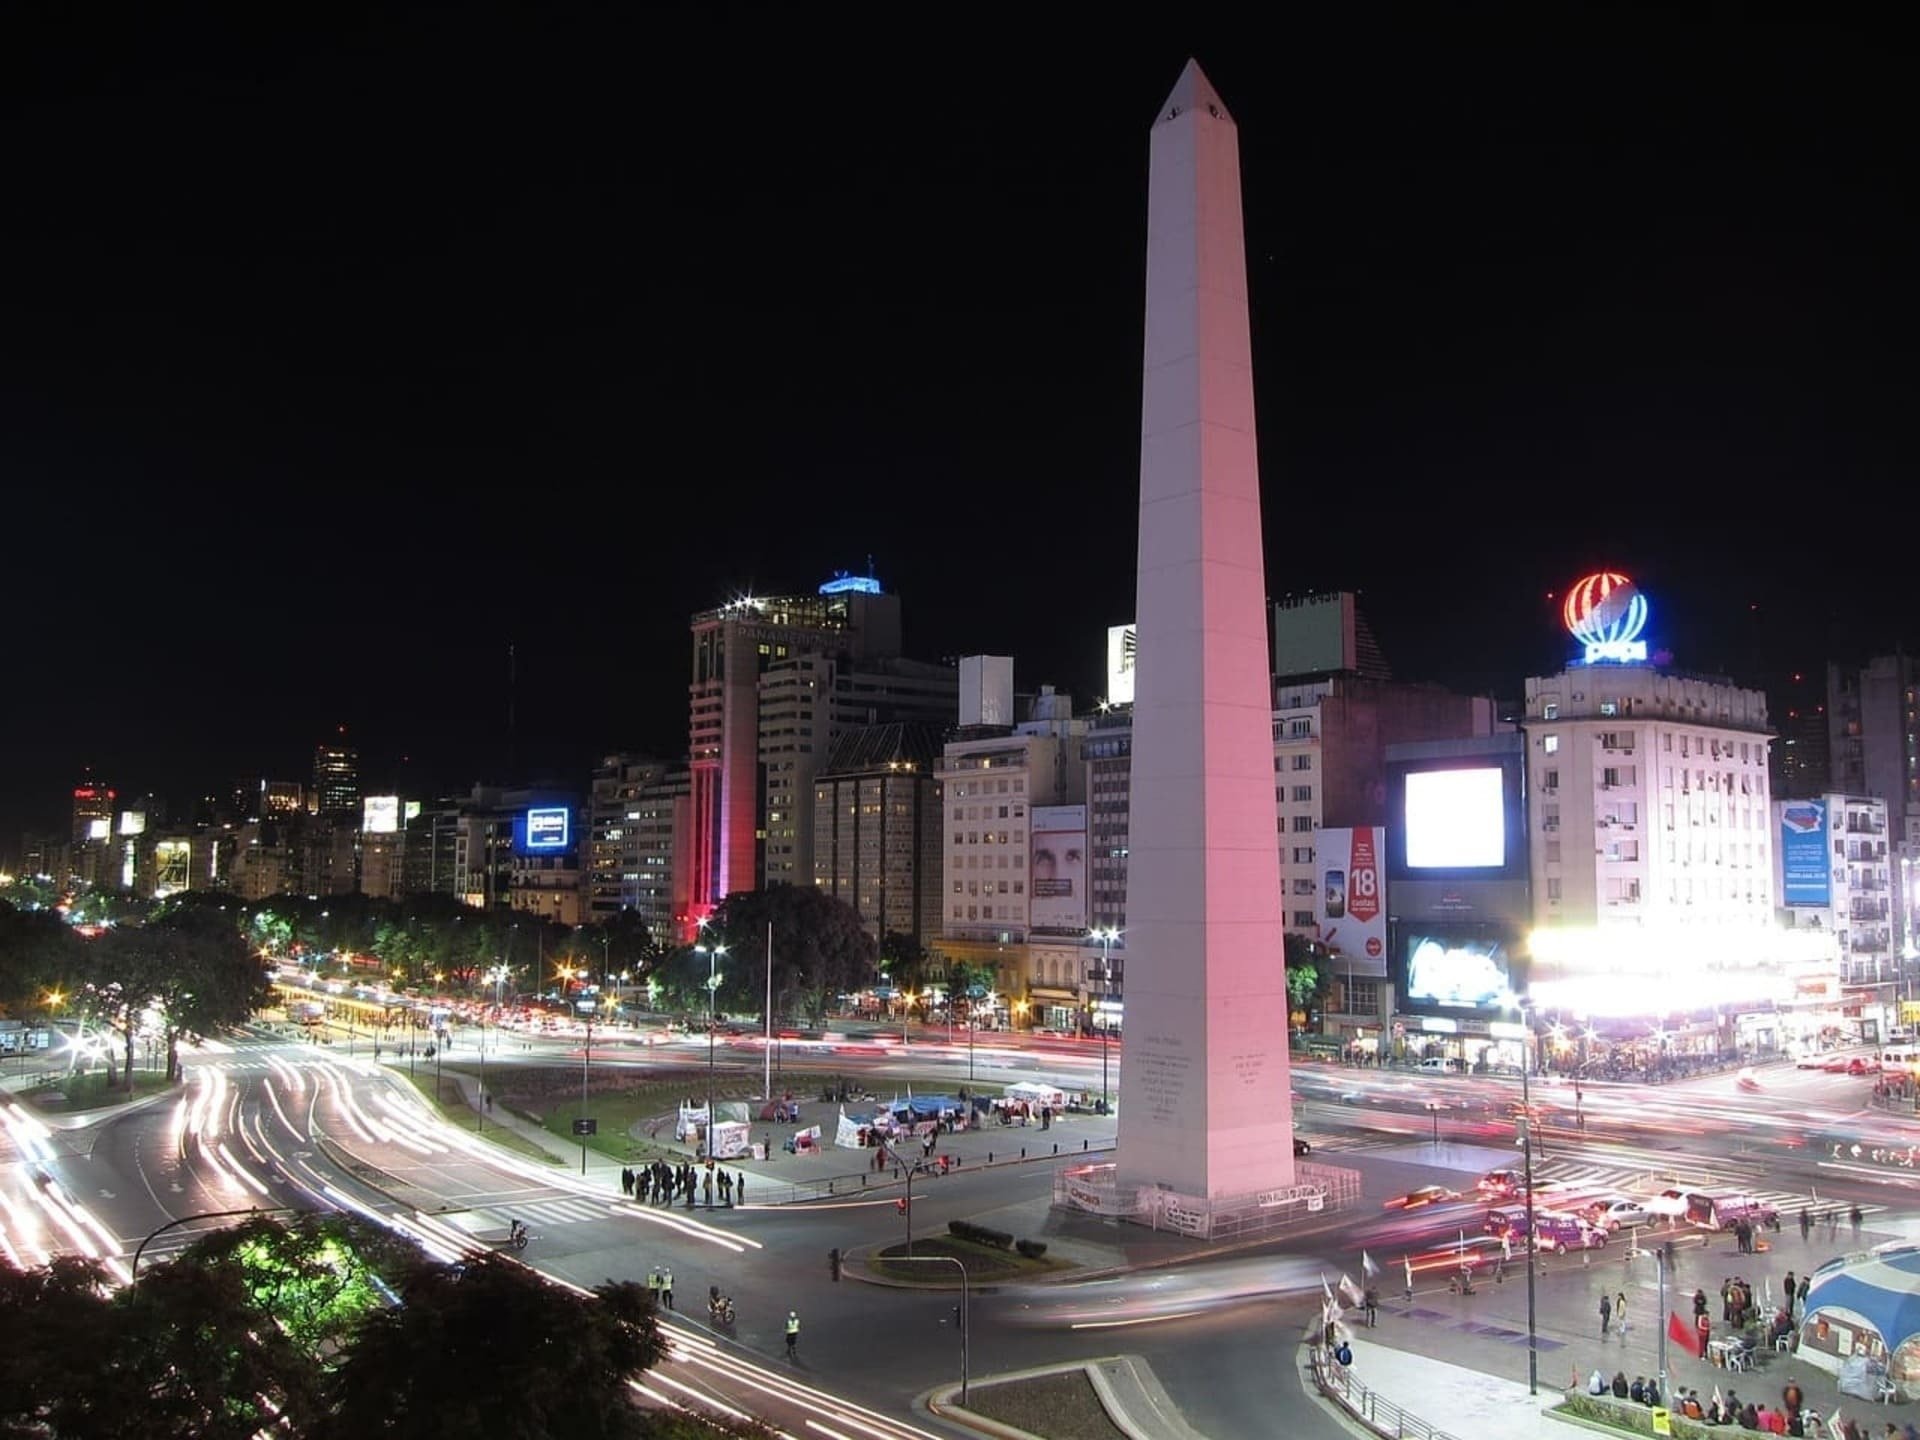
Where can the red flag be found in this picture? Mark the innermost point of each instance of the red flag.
(1683, 1335)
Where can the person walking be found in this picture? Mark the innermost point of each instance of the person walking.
(1606, 1313)
(793, 1335)
(666, 1285)
(1806, 1224)
(1854, 1217)
(1506, 1258)
(1620, 1315)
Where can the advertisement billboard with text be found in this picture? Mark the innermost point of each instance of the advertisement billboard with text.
(1120, 653)
(1057, 869)
(1352, 897)
(381, 815)
(1805, 868)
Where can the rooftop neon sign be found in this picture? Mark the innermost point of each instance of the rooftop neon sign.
(1606, 613)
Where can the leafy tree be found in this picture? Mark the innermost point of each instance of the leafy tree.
(51, 1365)
(905, 960)
(820, 948)
(1309, 971)
(487, 1348)
(191, 964)
(39, 953)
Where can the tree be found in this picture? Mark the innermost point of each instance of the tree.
(820, 948)
(906, 962)
(1309, 972)
(189, 963)
(50, 1366)
(39, 953)
(488, 1348)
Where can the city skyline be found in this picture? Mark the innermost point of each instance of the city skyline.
(406, 364)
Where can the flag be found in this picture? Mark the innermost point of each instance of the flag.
(1349, 1291)
(1325, 1288)
(1717, 1401)
(1409, 1260)
(1683, 1334)
(1367, 1268)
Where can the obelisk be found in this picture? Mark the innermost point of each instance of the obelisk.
(1204, 1090)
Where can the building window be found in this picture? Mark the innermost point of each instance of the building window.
(1303, 854)
(1553, 852)
(1303, 919)
(1550, 781)
(1609, 707)
(1303, 824)
(1303, 762)
(1553, 887)
(1302, 793)
(1550, 744)
(1363, 997)
(1303, 887)
(1550, 710)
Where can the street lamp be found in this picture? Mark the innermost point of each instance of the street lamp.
(1519, 1003)
(586, 1059)
(1106, 936)
(713, 954)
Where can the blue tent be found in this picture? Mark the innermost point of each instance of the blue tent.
(926, 1107)
(1879, 1292)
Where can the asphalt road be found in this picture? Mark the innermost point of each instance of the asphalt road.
(272, 1122)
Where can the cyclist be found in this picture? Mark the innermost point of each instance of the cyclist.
(516, 1234)
(793, 1334)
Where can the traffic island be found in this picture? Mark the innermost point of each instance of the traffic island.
(1114, 1398)
(985, 1263)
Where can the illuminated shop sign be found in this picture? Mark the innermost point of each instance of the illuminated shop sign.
(548, 829)
(1606, 613)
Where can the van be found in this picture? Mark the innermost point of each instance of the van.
(1558, 1232)
(1723, 1212)
(1438, 1065)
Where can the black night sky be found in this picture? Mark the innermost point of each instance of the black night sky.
(336, 361)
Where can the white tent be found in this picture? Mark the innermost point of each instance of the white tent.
(1035, 1093)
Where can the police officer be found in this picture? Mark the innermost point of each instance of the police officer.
(793, 1334)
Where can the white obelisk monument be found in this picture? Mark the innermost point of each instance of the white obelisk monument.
(1204, 1091)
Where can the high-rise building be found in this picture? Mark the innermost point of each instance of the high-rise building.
(733, 646)
(430, 863)
(877, 827)
(661, 818)
(93, 853)
(806, 703)
(613, 843)
(1873, 727)
(1802, 764)
(1834, 872)
(336, 778)
(1648, 800)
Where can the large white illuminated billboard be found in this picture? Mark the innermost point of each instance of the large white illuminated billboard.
(1456, 820)
(101, 829)
(1120, 653)
(381, 815)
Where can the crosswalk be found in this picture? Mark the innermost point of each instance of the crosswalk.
(563, 1210)
(1630, 1180)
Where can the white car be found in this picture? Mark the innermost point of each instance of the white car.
(1612, 1216)
(1667, 1205)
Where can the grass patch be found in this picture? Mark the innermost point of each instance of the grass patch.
(1061, 1406)
(982, 1262)
(635, 1109)
(455, 1111)
(94, 1091)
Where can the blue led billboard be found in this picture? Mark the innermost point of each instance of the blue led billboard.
(1804, 865)
(549, 829)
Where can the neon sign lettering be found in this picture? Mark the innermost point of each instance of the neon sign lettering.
(1606, 612)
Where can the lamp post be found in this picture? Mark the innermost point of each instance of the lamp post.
(1106, 935)
(966, 1308)
(713, 954)
(1526, 1151)
(586, 1059)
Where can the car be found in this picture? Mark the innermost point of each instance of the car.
(1502, 1182)
(1667, 1205)
(1424, 1196)
(1301, 1147)
(1863, 1065)
(1612, 1215)
(1834, 1064)
(1438, 1065)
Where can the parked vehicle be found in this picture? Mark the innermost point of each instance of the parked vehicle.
(1612, 1215)
(1556, 1231)
(1439, 1065)
(1502, 1182)
(1723, 1212)
(1421, 1198)
(1668, 1204)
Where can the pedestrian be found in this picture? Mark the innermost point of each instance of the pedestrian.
(1506, 1258)
(489, 1102)
(1726, 1299)
(1806, 1223)
(1371, 1304)
(740, 1186)
(1606, 1313)
(833, 1262)
(666, 1285)
(1409, 1264)
(1854, 1217)
(1791, 1290)
(1620, 1315)
(709, 1190)
(653, 1285)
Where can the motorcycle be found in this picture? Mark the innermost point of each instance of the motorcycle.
(720, 1310)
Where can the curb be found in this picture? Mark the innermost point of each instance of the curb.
(1167, 1421)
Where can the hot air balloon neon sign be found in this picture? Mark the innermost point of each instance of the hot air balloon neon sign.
(1606, 612)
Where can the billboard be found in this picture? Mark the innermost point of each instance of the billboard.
(549, 829)
(133, 822)
(1352, 896)
(1122, 641)
(100, 829)
(1450, 970)
(1057, 869)
(1456, 819)
(1804, 865)
(380, 815)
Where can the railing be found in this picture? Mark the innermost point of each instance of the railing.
(1382, 1416)
(764, 1191)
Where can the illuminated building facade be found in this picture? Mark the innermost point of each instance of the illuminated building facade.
(336, 779)
(733, 647)
(877, 821)
(640, 843)
(1834, 871)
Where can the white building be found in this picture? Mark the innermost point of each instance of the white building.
(1833, 872)
(1648, 800)
(989, 788)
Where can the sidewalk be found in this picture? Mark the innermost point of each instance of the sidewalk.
(1453, 1398)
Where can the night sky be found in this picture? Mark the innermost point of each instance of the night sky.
(335, 362)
